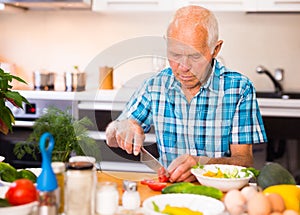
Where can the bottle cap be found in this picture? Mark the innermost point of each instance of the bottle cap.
(58, 167)
(80, 165)
(129, 185)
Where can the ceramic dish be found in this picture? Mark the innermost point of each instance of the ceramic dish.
(36, 171)
(25, 209)
(204, 204)
(224, 184)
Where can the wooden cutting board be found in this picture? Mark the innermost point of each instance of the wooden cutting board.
(118, 177)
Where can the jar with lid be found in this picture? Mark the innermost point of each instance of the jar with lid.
(107, 198)
(131, 197)
(59, 171)
(80, 189)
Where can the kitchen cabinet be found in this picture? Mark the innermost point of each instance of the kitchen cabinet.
(169, 5)
(273, 5)
(132, 5)
(216, 5)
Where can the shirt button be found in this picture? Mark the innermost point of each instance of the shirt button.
(193, 151)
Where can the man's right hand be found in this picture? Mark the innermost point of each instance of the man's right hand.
(126, 134)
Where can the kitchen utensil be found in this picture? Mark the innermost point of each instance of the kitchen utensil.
(43, 80)
(149, 160)
(106, 78)
(75, 81)
(46, 182)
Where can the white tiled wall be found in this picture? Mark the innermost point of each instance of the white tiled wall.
(57, 40)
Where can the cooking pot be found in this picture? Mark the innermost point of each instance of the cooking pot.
(43, 80)
(75, 81)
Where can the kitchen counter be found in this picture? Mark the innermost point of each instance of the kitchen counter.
(118, 178)
(117, 98)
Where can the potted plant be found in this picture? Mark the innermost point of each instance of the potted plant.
(70, 136)
(6, 94)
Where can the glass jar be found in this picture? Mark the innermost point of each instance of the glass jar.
(59, 171)
(80, 189)
(107, 198)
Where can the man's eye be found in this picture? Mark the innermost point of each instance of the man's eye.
(176, 56)
(195, 57)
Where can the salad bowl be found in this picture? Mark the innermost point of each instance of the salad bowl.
(222, 176)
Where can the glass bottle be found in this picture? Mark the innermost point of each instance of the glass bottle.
(131, 197)
(107, 198)
(80, 189)
(59, 171)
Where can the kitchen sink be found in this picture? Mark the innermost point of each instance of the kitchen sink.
(273, 95)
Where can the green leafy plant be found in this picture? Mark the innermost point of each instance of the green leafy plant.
(6, 94)
(70, 136)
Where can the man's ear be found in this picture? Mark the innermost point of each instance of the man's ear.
(217, 48)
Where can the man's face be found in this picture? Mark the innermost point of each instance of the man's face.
(190, 58)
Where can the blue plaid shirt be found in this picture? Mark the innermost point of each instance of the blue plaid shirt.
(223, 112)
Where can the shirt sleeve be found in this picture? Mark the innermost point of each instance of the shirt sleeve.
(248, 127)
(139, 108)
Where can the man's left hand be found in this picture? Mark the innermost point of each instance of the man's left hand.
(180, 168)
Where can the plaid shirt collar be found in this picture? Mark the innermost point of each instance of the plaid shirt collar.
(212, 83)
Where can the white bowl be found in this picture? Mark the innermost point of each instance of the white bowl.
(2, 158)
(223, 184)
(25, 209)
(204, 204)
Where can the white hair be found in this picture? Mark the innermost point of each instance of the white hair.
(201, 17)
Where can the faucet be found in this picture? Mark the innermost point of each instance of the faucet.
(277, 85)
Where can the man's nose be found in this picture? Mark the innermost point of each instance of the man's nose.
(184, 63)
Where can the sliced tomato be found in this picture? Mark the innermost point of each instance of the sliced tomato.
(163, 178)
(147, 181)
(157, 186)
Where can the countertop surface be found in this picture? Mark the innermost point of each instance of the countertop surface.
(117, 98)
(118, 178)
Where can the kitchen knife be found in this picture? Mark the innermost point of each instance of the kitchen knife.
(150, 161)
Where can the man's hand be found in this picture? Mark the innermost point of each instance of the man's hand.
(126, 134)
(180, 168)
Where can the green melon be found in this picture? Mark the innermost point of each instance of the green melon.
(274, 174)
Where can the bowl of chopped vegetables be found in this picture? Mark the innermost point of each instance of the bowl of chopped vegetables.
(222, 176)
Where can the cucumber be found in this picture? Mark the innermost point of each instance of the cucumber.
(4, 203)
(177, 187)
(189, 188)
(205, 191)
(25, 173)
(7, 172)
(274, 174)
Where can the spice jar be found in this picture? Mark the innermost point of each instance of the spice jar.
(59, 171)
(131, 197)
(107, 198)
(80, 188)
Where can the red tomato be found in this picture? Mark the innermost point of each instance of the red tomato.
(21, 191)
(163, 178)
(147, 181)
(157, 186)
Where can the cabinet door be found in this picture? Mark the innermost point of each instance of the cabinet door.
(132, 5)
(214, 5)
(278, 5)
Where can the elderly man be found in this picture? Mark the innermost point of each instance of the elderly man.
(202, 112)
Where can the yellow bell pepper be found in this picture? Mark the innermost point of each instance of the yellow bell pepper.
(179, 211)
(290, 194)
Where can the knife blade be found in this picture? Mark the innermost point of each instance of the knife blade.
(149, 160)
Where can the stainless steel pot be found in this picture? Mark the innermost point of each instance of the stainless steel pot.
(75, 81)
(43, 80)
